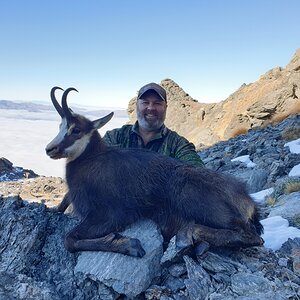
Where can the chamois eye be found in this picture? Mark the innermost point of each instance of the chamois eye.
(76, 131)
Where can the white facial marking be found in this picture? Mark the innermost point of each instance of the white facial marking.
(78, 147)
(63, 129)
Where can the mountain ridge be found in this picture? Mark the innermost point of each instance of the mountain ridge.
(253, 105)
(38, 107)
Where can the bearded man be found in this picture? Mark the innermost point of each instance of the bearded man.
(149, 131)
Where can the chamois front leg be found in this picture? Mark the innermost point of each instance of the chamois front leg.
(225, 237)
(112, 242)
(184, 236)
(64, 204)
(86, 237)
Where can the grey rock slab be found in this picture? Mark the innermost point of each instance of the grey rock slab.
(261, 296)
(157, 292)
(17, 223)
(177, 270)
(245, 284)
(126, 275)
(174, 284)
(288, 206)
(198, 282)
(219, 264)
(257, 180)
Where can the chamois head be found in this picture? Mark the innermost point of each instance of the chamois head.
(75, 130)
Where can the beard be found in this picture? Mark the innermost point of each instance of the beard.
(151, 121)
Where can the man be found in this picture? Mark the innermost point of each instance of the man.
(150, 132)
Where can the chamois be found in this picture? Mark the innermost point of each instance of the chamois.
(111, 188)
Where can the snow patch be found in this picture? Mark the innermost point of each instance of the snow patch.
(261, 195)
(294, 146)
(295, 171)
(277, 231)
(245, 159)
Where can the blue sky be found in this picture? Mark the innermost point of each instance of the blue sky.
(109, 49)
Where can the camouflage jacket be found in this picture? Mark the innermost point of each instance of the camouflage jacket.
(166, 142)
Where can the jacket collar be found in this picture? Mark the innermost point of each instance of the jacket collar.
(162, 132)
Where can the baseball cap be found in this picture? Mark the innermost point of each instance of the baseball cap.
(155, 87)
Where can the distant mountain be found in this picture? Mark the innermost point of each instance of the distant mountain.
(120, 113)
(29, 106)
(38, 107)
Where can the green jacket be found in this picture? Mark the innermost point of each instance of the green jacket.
(166, 142)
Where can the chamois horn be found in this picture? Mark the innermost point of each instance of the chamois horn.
(55, 102)
(66, 109)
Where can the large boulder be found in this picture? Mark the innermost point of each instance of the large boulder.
(35, 265)
(126, 275)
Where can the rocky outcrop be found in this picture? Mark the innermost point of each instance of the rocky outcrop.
(48, 190)
(275, 94)
(10, 172)
(272, 160)
(126, 275)
(35, 265)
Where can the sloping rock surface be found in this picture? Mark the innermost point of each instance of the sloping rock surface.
(35, 265)
(126, 275)
(48, 190)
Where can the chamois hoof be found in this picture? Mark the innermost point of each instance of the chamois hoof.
(184, 246)
(183, 241)
(260, 241)
(184, 237)
(201, 248)
(136, 248)
(254, 240)
(69, 244)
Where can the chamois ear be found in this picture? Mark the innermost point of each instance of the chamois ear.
(102, 121)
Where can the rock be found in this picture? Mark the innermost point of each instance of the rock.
(288, 206)
(31, 246)
(277, 169)
(198, 282)
(219, 264)
(257, 180)
(291, 159)
(10, 173)
(171, 255)
(5, 165)
(47, 190)
(32, 251)
(177, 270)
(247, 284)
(291, 249)
(126, 275)
(174, 284)
(157, 292)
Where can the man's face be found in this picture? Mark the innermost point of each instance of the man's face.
(151, 111)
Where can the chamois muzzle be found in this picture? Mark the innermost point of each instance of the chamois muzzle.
(53, 152)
